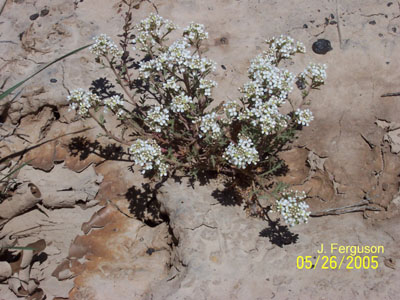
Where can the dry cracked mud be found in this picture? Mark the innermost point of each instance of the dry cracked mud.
(108, 237)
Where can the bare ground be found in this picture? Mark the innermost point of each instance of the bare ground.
(197, 246)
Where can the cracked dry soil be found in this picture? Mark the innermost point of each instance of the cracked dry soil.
(183, 243)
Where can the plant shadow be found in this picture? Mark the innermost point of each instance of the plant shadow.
(228, 196)
(143, 204)
(279, 235)
(83, 147)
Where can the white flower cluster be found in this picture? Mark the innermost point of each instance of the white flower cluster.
(283, 47)
(151, 30)
(316, 72)
(181, 103)
(292, 207)
(304, 117)
(231, 110)
(82, 101)
(157, 117)
(147, 154)
(113, 103)
(206, 85)
(242, 154)
(177, 59)
(267, 80)
(209, 125)
(267, 116)
(104, 46)
(172, 85)
(195, 32)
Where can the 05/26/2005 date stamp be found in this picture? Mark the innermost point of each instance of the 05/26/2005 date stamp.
(336, 257)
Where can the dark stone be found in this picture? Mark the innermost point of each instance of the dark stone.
(394, 29)
(305, 26)
(326, 21)
(380, 34)
(223, 67)
(373, 22)
(332, 16)
(34, 17)
(223, 40)
(53, 80)
(44, 12)
(388, 62)
(301, 85)
(322, 46)
(389, 4)
(333, 22)
(150, 251)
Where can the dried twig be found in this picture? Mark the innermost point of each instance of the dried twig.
(338, 25)
(391, 94)
(359, 207)
(23, 151)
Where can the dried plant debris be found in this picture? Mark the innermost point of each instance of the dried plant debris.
(17, 271)
(62, 187)
(42, 208)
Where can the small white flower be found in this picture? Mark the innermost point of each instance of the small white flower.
(195, 32)
(151, 30)
(113, 102)
(231, 110)
(157, 118)
(171, 85)
(209, 125)
(304, 117)
(147, 154)
(206, 85)
(181, 103)
(242, 154)
(283, 47)
(316, 72)
(82, 101)
(104, 46)
(293, 208)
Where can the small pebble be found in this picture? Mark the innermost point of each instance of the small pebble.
(150, 251)
(394, 29)
(34, 17)
(44, 12)
(373, 22)
(53, 80)
(332, 16)
(305, 26)
(301, 84)
(380, 34)
(389, 4)
(333, 22)
(223, 67)
(322, 46)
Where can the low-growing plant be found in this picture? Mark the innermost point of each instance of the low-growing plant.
(175, 126)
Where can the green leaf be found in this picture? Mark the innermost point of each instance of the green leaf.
(101, 119)
(15, 170)
(212, 158)
(10, 90)
(19, 248)
(169, 152)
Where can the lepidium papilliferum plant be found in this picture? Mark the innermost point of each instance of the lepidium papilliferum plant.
(175, 126)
